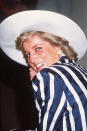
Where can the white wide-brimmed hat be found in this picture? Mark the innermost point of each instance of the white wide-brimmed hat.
(39, 20)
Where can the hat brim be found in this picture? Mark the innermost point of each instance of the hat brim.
(39, 20)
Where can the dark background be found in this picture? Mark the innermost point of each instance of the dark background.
(17, 103)
(17, 108)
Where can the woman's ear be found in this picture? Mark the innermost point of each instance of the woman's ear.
(59, 51)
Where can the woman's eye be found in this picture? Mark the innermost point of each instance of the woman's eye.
(38, 48)
(27, 55)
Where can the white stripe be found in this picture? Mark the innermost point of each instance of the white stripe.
(41, 88)
(60, 106)
(49, 102)
(83, 69)
(37, 105)
(64, 123)
(71, 117)
(34, 87)
(76, 80)
(81, 109)
(78, 69)
(38, 108)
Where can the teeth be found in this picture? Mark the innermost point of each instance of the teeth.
(39, 65)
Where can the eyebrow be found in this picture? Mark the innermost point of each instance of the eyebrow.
(35, 46)
(32, 48)
(26, 52)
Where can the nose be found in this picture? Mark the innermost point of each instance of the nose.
(32, 58)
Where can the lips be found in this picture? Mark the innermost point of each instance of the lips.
(40, 66)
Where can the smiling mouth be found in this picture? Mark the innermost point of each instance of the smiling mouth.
(40, 66)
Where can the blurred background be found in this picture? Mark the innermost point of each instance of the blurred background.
(17, 108)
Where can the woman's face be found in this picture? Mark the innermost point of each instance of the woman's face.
(39, 53)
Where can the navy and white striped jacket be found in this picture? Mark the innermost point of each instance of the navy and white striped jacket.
(60, 93)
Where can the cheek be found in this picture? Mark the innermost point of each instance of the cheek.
(42, 54)
(51, 57)
(47, 57)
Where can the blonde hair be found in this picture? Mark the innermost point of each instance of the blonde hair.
(53, 39)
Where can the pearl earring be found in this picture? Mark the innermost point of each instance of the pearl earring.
(59, 52)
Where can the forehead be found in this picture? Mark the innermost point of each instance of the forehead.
(35, 41)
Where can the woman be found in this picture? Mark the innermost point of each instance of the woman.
(60, 85)
(48, 49)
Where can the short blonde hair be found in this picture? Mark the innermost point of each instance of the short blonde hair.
(53, 39)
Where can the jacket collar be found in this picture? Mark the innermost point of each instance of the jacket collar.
(65, 59)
